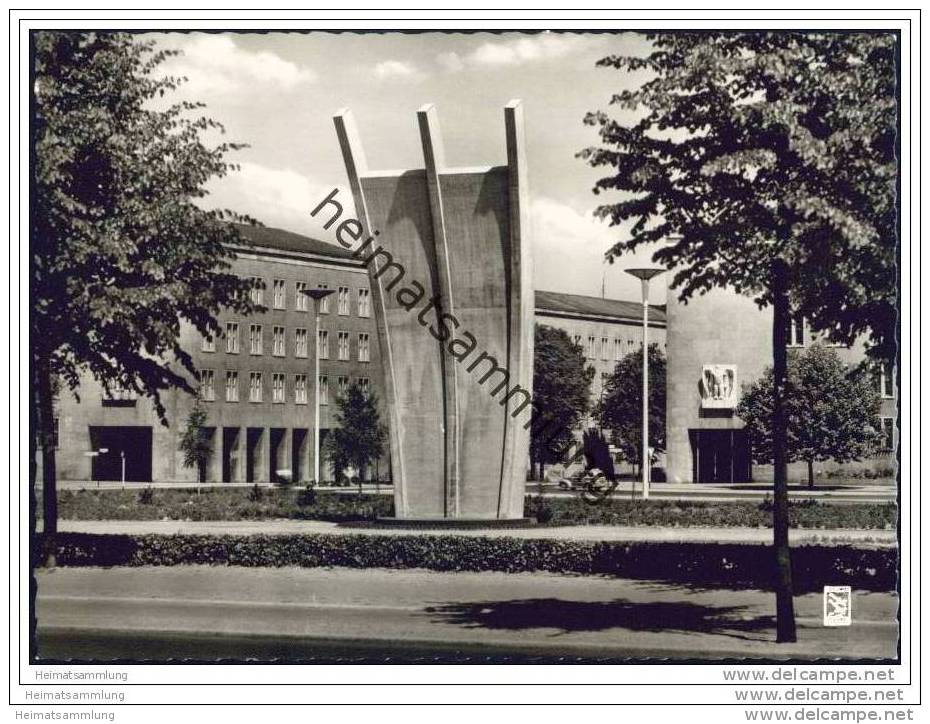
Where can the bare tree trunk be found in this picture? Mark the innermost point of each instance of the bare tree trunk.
(784, 597)
(810, 474)
(46, 415)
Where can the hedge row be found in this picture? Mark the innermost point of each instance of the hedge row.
(702, 564)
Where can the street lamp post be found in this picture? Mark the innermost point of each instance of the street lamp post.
(644, 275)
(318, 295)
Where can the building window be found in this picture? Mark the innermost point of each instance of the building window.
(364, 352)
(343, 345)
(886, 381)
(796, 332)
(255, 387)
(343, 383)
(364, 303)
(887, 432)
(322, 344)
(592, 348)
(277, 388)
(256, 293)
(343, 307)
(232, 386)
(324, 390)
(277, 342)
(208, 344)
(618, 349)
(119, 396)
(280, 294)
(324, 302)
(207, 392)
(300, 342)
(300, 389)
(232, 337)
(605, 349)
(364, 383)
(303, 301)
(255, 338)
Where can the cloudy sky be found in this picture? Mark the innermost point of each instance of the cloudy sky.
(279, 91)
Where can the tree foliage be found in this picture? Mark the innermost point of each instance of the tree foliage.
(195, 444)
(360, 437)
(122, 254)
(561, 393)
(832, 410)
(755, 146)
(620, 409)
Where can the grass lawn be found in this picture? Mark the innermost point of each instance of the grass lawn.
(256, 504)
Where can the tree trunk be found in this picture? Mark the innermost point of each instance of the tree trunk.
(810, 474)
(46, 414)
(784, 601)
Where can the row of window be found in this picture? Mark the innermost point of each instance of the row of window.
(278, 387)
(602, 348)
(300, 342)
(302, 301)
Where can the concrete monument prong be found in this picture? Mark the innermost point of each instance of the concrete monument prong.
(317, 295)
(644, 275)
(459, 238)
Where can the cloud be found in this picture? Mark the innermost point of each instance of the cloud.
(568, 254)
(277, 197)
(518, 51)
(216, 66)
(397, 69)
(451, 61)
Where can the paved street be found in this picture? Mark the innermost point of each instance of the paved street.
(329, 614)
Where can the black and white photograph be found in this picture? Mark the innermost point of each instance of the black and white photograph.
(370, 351)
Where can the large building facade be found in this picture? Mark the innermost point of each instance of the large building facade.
(606, 329)
(719, 343)
(255, 378)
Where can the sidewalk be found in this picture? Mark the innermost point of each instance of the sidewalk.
(859, 538)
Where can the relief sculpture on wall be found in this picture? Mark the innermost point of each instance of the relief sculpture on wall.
(718, 387)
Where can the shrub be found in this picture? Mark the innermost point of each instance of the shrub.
(255, 493)
(701, 564)
(307, 496)
(540, 508)
(146, 496)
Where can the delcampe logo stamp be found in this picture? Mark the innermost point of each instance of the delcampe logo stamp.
(837, 606)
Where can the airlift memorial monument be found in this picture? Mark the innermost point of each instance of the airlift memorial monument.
(459, 428)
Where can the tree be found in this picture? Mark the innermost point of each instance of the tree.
(773, 156)
(121, 253)
(561, 395)
(360, 437)
(195, 442)
(620, 410)
(832, 410)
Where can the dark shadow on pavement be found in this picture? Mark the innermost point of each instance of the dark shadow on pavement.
(570, 616)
